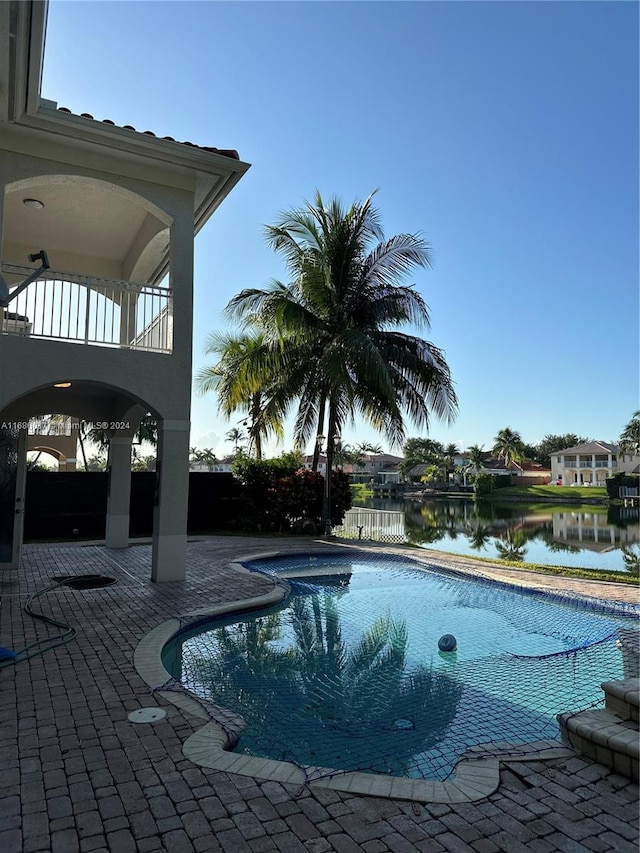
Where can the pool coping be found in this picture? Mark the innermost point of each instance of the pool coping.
(477, 773)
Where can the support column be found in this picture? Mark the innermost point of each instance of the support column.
(169, 556)
(128, 308)
(118, 501)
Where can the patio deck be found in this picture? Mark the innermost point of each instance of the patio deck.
(76, 775)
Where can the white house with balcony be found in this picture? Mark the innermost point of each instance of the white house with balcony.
(590, 464)
(99, 222)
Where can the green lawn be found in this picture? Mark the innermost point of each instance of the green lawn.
(360, 491)
(560, 493)
(565, 571)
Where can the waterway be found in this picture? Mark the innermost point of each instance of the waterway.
(592, 537)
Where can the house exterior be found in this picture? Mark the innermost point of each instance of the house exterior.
(523, 473)
(220, 466)
(593, 531)
(307, 463)
(377, 467)
(590, 464)
(104, 332)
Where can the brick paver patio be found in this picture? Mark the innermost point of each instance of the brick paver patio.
(76, 775)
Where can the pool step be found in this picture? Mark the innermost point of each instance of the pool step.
(622, 698)
(608, 735)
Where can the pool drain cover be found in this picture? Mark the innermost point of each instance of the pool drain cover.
(147, 715)
(84, 581)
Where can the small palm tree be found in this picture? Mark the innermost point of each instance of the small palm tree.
(368, 447)
(244, 377)
(144, 463)
(631, 558)
(450, 452)
(629, 441)
(476, 457)
(237, 437)
(512, 546)
(508, 446)
(479, 536)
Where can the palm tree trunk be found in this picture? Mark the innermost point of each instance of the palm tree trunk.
(327, 481)
(34, 462)
(316, 449)
(81, 439)
(254, 430)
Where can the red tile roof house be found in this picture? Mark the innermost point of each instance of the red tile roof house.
(103, 331)
(522, 474)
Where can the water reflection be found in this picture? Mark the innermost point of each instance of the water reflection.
(306, 695)
(585, 536)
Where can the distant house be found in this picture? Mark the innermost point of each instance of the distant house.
(592, 531)
(522, 473)
(591, 463)
(220, 466)
(322, 463)
(380, 467)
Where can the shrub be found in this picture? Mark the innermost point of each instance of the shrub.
(484, 483)
(279, 494)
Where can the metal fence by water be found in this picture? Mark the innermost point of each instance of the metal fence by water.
(376, 525)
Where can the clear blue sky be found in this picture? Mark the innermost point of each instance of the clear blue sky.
(507, 133)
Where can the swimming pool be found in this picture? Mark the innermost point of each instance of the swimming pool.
(346, 673)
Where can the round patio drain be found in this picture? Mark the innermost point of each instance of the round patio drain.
(83, 581)
(147, 715)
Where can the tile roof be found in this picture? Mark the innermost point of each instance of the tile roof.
(589, 447)
(225, 152)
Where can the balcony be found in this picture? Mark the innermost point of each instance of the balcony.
(81, 309)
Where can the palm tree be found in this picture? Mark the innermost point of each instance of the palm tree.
(147, 432)
(448, 459)
(508, 446)
(314, 682)
(144, 463)
(512, 546)
(629, 441)
(237, 437)
(476, 457)
(242, 377)
(336, 324)
(206, 455)
(368, 447)
(631, 558)
(479, 536)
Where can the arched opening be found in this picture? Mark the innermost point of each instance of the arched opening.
(100, 412)
(106, 248)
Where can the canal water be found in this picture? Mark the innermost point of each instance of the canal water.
(591, 537)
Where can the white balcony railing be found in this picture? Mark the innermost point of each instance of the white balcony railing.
(88, 310)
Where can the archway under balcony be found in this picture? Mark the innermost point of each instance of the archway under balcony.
(118, 412)
(88, 226)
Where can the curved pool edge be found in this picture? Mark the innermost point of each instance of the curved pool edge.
(477, 773)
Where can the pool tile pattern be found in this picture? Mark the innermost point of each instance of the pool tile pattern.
(76, 775)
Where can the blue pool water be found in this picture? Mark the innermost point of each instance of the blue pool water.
(346, 672)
